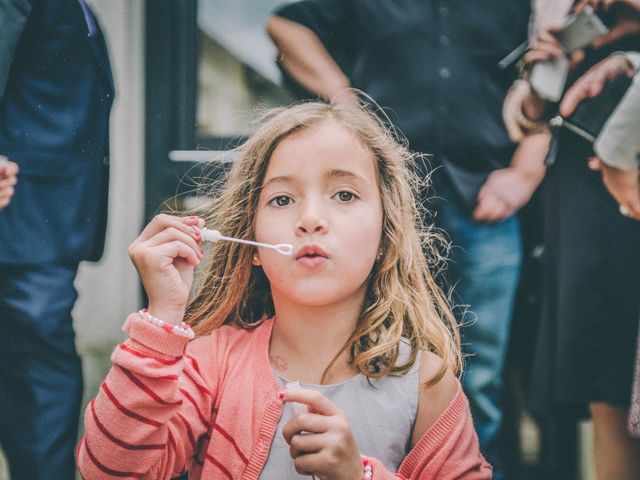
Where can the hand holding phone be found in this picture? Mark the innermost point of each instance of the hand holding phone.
(548, 78)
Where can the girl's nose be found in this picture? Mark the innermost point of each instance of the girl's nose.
(311, 219)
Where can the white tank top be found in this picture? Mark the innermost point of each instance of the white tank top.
(381, 414)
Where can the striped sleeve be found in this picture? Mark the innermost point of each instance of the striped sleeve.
(151, 411)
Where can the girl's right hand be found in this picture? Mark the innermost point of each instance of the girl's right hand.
(321, 442)
(165, 255)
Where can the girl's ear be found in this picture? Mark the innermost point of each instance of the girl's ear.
(256, 260)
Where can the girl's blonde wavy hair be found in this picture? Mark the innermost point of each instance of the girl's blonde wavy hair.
(403, 299)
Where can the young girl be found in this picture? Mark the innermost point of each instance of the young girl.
(353, 315)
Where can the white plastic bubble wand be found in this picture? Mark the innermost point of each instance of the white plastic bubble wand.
(211, 235)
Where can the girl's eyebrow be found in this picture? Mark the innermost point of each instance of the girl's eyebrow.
(335, 173)
(339, 173)
(279, 179)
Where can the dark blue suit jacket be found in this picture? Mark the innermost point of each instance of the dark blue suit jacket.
(54, 123)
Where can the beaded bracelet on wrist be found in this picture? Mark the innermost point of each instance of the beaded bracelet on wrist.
(368, 470)
(183, 329)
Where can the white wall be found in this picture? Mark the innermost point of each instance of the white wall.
(108, 290)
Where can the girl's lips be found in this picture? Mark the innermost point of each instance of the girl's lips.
(312, 261)
(311, 256)
(310, 251)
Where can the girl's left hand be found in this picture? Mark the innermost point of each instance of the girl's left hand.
(321, 441)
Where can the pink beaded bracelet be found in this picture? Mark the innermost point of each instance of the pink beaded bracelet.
(368, 471)
(183, 329)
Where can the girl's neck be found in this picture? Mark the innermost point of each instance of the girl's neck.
(306, 339)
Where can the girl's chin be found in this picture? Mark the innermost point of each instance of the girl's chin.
(313, 297)
(312, 301)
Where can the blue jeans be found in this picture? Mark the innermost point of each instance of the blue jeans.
(40, 371)
(484, 269)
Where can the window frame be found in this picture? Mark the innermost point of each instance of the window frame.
(171, 89)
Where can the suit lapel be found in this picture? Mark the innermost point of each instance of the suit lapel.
(97, 47)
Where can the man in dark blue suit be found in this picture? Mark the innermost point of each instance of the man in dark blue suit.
(56, 93)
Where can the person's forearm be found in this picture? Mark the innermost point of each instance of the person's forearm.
(530, 154)
(140, 420)
(306, 59)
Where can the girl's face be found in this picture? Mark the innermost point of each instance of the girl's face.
(321, 195)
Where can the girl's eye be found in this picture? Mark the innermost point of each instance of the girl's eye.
(345, 196)
(280, 201)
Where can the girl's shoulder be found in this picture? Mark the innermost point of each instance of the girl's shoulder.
(433, 399)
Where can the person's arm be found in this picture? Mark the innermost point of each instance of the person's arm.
(306, 59)
(141, 423)
(507, 190)
(13, 17)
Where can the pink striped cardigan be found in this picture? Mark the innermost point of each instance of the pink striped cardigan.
(210, 407)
